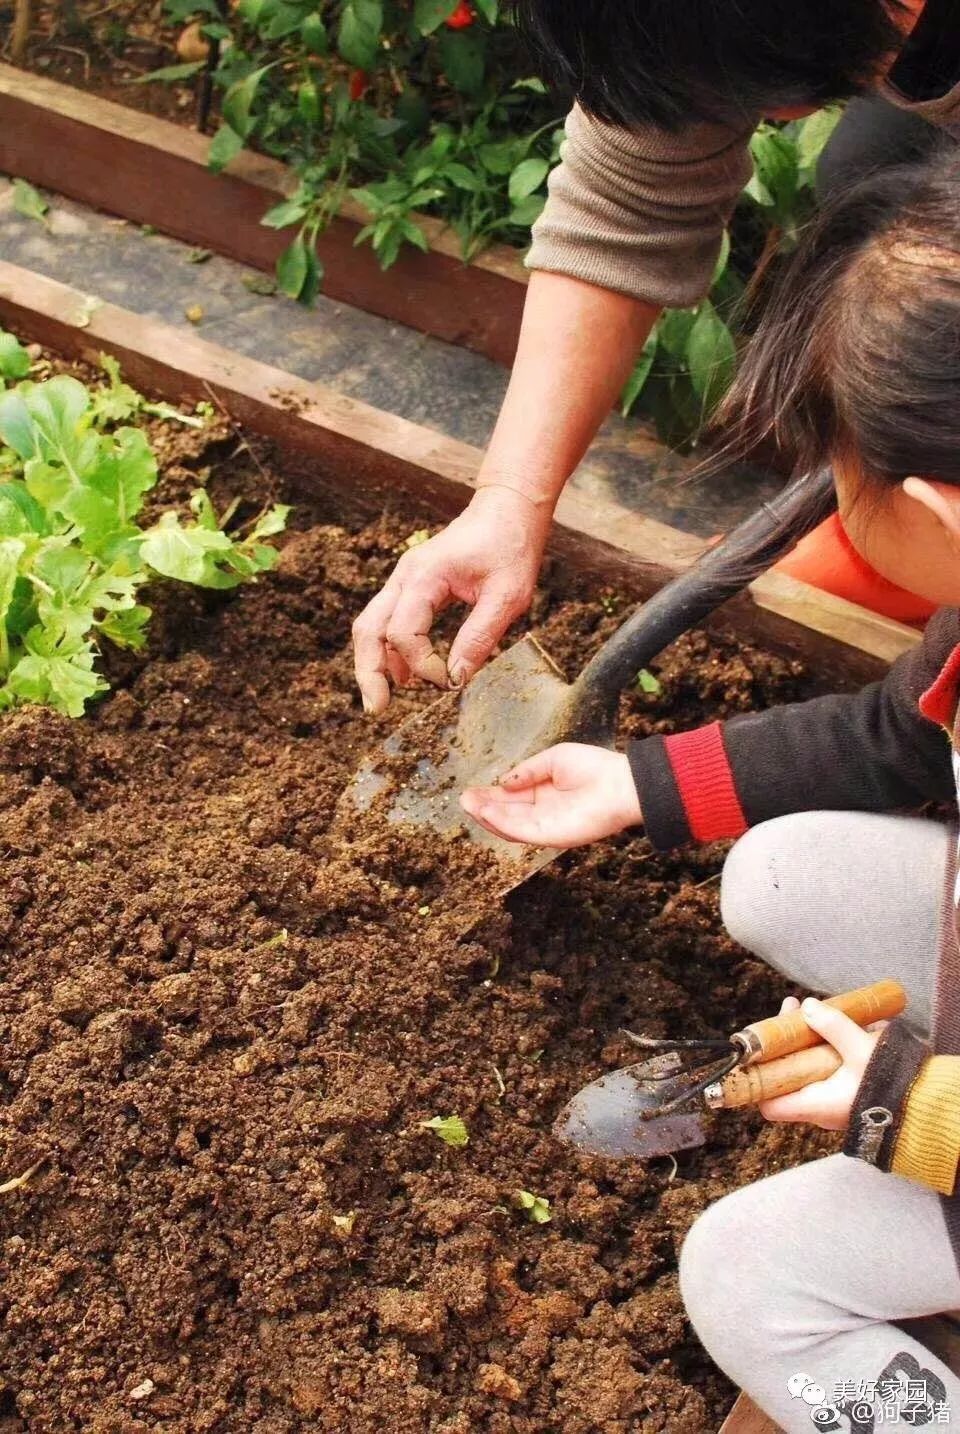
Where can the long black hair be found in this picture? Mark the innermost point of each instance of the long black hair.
(673, 61)
(857, 350)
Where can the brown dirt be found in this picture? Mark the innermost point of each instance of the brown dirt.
(221, 1032)
(106, 48)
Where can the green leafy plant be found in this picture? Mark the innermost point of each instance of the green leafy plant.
(690, 357)
(72, 555)
(448, 1128)
(535, 1207)
(408, 107)
(29, 202)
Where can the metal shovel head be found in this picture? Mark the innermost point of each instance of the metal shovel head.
(616, 1115)
(468, 739)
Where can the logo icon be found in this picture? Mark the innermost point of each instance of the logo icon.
(803, 1386)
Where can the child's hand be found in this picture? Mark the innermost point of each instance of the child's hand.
(827, 1103)
(567, 796)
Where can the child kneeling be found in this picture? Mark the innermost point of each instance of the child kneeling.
(797, 1285)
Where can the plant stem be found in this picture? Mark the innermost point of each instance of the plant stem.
(21, 31)
(205, 96)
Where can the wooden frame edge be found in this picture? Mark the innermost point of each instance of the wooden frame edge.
(366, 455)
(151, 171)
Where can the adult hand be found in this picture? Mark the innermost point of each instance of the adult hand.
(489, 558)
(827, 1103)
(568, 796)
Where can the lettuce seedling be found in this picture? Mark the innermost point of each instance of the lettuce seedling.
(448, 1128)
(14, 359)
(72, 555)
(535, 1207)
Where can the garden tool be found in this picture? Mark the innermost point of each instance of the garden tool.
(519, 703)
(654, 1108)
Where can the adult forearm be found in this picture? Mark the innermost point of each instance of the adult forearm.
(578, 344)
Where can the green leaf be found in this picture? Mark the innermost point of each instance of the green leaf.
(449, 1128)
(285, 19)
(225, 145)
(187, 553)
(528, 211)
(16, 425)
(358, 39)
(288, 211)
(814, 133)
(723, 259)
(462, 177)
(111, 495)
(649, 684)
(273, 521)
(237, 103)
(308, 103)
(528, 176)
(11, 551)
(313, 33)
(775, 170)
(28, 202)
(490, 9)
(311, 286)
(14, 359)
(127, 628)
(463, 58)
(118, 401)
(429, 15)
(293, 267)
(673, 331)
(201, 505)
(19, 512)
(641, 372)
(502, 157)
(711, 355)
(535, 1207)
(56, 672)
(180, 11)
(414, 235)
(71, 555)
(170, 74)
(43, 423)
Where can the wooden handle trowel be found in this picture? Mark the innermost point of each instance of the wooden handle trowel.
(655, 1108)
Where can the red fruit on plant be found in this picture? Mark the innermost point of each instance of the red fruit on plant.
(461, 18)
(358, 84)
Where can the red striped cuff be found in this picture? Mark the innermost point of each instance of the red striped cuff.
(704, 780)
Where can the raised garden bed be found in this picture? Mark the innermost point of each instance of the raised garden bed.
(222, 1030)
(152, 171)
(367, 456)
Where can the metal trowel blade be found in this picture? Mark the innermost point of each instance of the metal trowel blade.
(616, 1115)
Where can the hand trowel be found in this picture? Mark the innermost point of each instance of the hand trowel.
(655, 1107)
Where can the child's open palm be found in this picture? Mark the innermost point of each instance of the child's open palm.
(569, 795)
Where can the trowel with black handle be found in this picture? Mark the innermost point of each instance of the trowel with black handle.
(520, 702)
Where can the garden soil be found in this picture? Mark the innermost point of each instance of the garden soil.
(107, 49)
(221, 1031)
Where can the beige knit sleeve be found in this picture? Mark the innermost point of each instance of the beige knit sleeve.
(641, 211)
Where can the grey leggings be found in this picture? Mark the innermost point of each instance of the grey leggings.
(796, 1284)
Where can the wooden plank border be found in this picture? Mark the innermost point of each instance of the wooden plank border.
(367, 457)
(151, 171)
